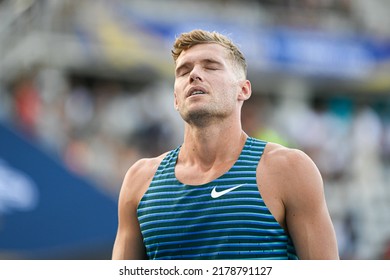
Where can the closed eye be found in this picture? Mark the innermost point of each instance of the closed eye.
(182, 73)
(183, 70)
(211, 64)
(207, 64)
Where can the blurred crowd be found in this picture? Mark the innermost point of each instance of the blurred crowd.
(97, 127)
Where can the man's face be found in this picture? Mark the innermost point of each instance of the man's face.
(207, 85)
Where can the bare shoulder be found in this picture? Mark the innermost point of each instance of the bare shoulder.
(138, 178)
(144, 168)
(279, 152)
(292, 170)
(289, 161)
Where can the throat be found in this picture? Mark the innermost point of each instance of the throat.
(196, 175)
(198, 164)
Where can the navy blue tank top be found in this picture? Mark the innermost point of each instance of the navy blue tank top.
(223, 219)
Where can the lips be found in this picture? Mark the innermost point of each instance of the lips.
(196, 91)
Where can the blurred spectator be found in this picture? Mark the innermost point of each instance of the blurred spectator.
(346, 231)
(366, 140)
(79, 109)
(325, 132)
(366, 171)
(6, 101)
(27, 104)
(258, 120)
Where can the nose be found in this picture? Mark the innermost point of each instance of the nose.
(195, 75)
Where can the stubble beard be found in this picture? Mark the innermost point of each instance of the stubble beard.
(203, 117)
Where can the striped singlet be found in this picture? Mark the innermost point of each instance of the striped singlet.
(223, 219)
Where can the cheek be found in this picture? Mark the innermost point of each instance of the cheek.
(175, 103)
(177, 93)
(178, 87)
(227, 88)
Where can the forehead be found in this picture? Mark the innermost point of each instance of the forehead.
(208, 51)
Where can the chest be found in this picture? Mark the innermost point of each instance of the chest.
(226, 216)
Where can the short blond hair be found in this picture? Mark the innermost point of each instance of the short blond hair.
(198, 36)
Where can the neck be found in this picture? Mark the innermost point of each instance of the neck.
(214, 144)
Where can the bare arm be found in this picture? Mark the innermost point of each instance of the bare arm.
(129, 242)
(292, 188)
(307, 217)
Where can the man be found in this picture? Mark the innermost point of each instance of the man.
(221, 194)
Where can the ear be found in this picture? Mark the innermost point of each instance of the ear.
(246, 90)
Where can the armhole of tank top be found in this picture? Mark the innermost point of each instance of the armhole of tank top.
(160, 166)
(257, 168)
(262, 197)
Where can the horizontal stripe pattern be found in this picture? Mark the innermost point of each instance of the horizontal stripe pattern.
(180, 221)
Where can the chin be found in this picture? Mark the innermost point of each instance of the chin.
(202, 117)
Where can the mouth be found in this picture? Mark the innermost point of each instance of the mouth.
(196, 91)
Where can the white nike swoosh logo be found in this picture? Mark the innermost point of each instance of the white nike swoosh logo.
(216, 194)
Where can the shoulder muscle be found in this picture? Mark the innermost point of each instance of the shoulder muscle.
(294, 176)
(137, 179)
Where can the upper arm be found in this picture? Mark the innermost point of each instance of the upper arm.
(306, 214)
(293, 190)
(129, 242)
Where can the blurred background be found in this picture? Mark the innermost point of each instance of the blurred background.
(86, 90)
